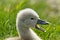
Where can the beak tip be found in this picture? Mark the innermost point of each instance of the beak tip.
(47, 23)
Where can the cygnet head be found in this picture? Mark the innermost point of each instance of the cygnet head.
(29, 18)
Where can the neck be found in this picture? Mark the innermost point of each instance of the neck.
(27, 34)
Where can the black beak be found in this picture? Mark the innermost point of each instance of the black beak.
(42, 22)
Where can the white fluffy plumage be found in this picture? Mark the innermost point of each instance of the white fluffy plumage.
(26, 19)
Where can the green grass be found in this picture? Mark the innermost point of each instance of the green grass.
(8, 18)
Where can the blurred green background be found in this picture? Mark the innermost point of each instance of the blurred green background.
(10, 8)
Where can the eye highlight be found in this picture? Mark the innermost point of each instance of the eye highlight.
(32, 18)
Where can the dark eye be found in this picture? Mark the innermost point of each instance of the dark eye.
(32, 18)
